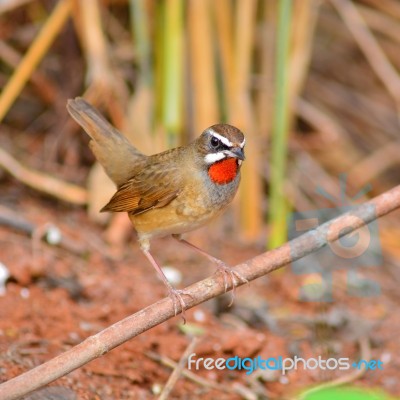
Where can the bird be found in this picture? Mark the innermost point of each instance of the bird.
(168, 193)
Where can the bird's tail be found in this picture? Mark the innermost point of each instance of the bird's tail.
(112, 149)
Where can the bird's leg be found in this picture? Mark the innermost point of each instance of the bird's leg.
(228, 273)
(174, 294)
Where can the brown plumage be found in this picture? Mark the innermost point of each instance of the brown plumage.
(172, 192)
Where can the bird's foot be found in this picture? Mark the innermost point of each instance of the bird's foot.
(178, 302)
(230, 276)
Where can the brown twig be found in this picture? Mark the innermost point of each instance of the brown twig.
(45, 88)
(390, 7)
(329, 128)
(376, 163)
(206, 383)
(43, 182)
(189, 374)
(365, 351)
(7, 6)
(51, 234)
(370, 47)
(153, 315)
(178, 370)
(34, 55)
(381, 22)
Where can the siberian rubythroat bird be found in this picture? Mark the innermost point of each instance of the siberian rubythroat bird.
(172, 192)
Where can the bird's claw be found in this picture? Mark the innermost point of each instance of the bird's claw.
(178, 302)
(229, 276)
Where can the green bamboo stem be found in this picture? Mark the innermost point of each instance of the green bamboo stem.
(277, 203)
(141, 34)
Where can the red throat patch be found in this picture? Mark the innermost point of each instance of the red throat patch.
(223, 171)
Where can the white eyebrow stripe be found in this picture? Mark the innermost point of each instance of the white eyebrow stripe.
(223, 139)
(243, 143)
(211, 158)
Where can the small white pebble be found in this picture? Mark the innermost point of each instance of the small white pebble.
(106, 308)
(156, 388)
(284, 380)
(173, 275)
(25, 293)
(216, 347)
(212, 375)
(53, 235)
(86, 326)
(74, 336)
(260, 337)
(386, 357)
(4, 275)
(199, 316)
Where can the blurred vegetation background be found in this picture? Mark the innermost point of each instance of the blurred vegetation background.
(314, 84)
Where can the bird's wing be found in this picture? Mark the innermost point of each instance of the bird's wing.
(154, 186)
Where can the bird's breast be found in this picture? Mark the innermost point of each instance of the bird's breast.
(199, 201)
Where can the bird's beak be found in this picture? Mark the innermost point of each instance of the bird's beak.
(236, 152)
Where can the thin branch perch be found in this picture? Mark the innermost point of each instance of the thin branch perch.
(113, 336)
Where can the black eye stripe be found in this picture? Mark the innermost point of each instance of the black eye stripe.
(224, 147)
(217, 144)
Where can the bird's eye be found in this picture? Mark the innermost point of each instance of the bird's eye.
(214, 142)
